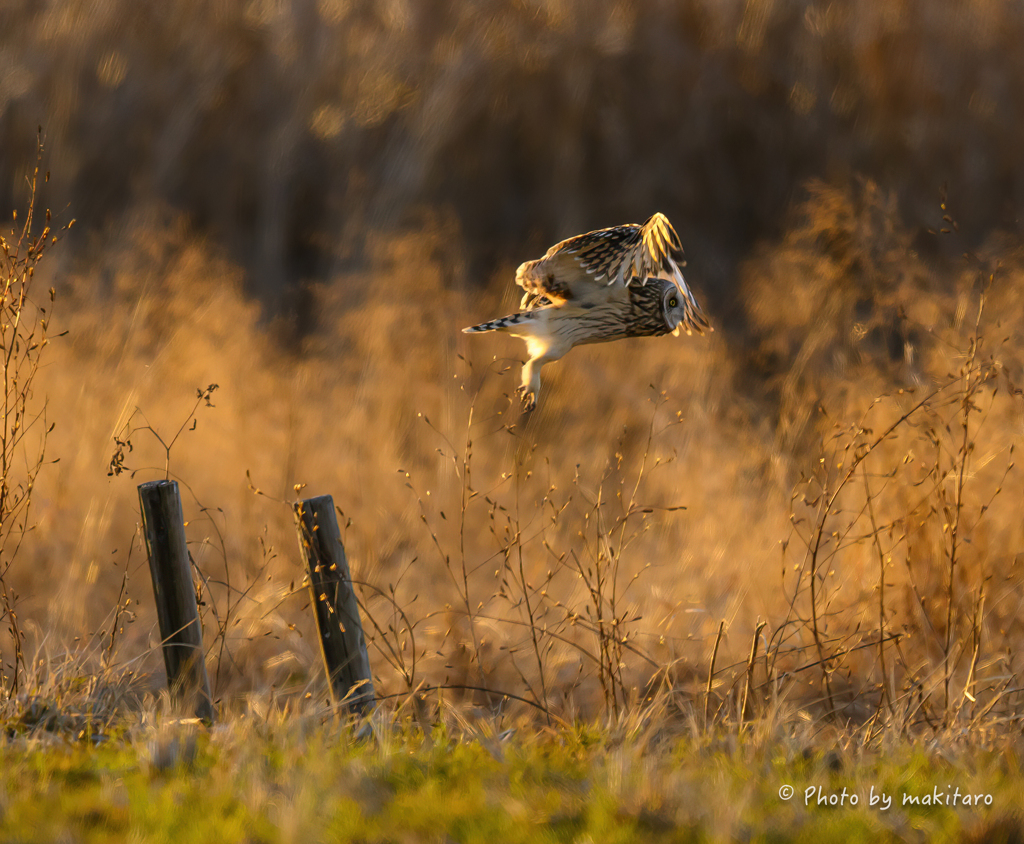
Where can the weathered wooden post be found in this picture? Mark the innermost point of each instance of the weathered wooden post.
(176, 608)
(337, 611)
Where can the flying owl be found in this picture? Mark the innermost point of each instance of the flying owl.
(604, 285)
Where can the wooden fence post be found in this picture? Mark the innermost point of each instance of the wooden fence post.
(337, 611)
(178, 614)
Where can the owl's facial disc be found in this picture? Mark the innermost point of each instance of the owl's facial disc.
(672, 307)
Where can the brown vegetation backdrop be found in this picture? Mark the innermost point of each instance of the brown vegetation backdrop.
(304, 202)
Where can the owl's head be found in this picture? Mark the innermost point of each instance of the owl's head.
(672, 306)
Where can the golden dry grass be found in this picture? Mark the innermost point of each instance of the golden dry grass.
(375, 410)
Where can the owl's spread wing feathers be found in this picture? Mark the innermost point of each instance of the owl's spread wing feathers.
(597, 266)
(629, 253)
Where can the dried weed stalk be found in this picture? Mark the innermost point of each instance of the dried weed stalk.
(24, 334)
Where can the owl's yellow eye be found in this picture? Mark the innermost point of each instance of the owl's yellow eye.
(673, 302)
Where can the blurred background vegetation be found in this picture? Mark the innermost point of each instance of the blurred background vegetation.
(286, 131)
(305, 200)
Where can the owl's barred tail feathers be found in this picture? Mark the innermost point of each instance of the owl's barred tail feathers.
(500, 324)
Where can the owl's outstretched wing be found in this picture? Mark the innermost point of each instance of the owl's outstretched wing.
(629, 253)
(599, 265)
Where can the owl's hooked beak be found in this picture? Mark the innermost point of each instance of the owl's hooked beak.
(677, 330)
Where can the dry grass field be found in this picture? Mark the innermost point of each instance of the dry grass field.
(720, 558)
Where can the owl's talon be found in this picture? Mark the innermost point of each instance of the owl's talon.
(529, 398)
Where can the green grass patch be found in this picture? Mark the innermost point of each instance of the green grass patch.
(242, 784)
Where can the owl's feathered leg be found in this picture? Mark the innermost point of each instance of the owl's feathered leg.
(543, 345)
(541, 349)
(530, 388)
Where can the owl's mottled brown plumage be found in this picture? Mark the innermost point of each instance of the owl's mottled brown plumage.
(607, 284)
